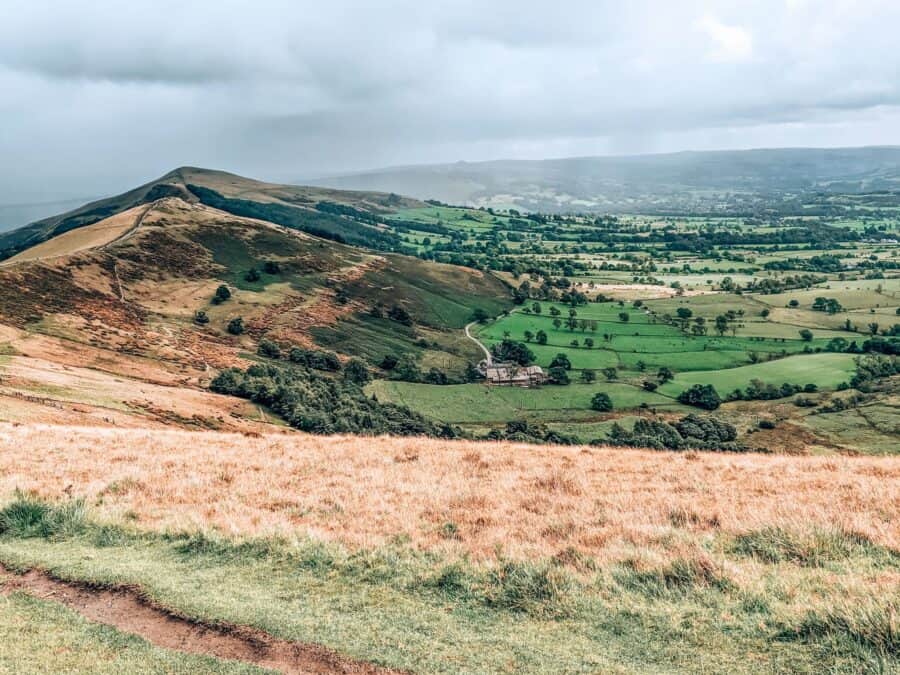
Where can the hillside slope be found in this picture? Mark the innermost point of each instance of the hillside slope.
(121, 298)
(183, 183)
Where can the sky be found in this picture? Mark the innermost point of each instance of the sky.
(98, 96)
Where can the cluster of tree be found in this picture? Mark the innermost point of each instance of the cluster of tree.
(775, 285)
(702, 396)
(327, 225)
(876, 344)
(693, 432)
(406, 369)
(512, 351)
(521, 431)
(323, 404)
(830, 305)
(816, 263)
(874, 367)
(758, 390)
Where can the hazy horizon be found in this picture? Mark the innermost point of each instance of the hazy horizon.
(100, 99)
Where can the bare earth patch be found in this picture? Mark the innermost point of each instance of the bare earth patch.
(126, 610)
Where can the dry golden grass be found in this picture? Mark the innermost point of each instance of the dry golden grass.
(523, 501)
(82, 238)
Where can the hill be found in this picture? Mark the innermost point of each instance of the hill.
(679, 182)
(196, 185)
(121, 298)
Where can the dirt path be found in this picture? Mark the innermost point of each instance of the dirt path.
(126, 610)
(487, 353)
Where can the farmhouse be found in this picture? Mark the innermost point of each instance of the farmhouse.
(507, 374)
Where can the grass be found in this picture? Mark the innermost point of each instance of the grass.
(41, 636)
(399, 606)
(479, 403)
(825, 370)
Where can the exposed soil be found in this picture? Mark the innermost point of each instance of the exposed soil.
(128, 611)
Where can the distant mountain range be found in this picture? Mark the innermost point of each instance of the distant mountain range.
(683, 181)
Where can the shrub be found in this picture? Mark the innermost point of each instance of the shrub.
(356, 371)
(271, 267)
(223, 293)
(601, 402)
(236, 326)
(269, 349)
(200, 317)
(400, 315)
(315, 359)
(252, 275)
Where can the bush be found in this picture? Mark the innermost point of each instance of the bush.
(701, 396)
(252, 275)
(271, 267)
(601, 402)
(356, 371)
(223, 293)
(200, 317)
(236, 326)
(269, 349)
(315, 359)
(400, 315)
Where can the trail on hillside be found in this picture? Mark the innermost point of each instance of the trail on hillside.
(487, 353)
(127, 610)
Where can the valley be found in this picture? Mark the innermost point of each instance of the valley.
(276, 394)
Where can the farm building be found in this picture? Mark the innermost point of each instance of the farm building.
(506, 374)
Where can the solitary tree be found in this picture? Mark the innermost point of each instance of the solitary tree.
(601, 402)
(806, 335)
(541, 337)
(200, 317)
(588, 375)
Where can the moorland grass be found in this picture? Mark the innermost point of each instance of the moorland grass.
(415, 609)
(41, 636)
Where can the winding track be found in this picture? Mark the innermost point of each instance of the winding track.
(487, 353)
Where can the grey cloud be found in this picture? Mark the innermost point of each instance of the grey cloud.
(99, 94)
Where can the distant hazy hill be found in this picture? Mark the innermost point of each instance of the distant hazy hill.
(215, 188)
(684, 180)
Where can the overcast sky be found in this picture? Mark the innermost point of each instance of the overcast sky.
(97, 96)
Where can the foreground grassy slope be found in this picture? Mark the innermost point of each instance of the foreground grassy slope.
(683, 563)
(40, 636)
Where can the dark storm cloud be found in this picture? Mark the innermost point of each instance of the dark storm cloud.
(98, 95)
